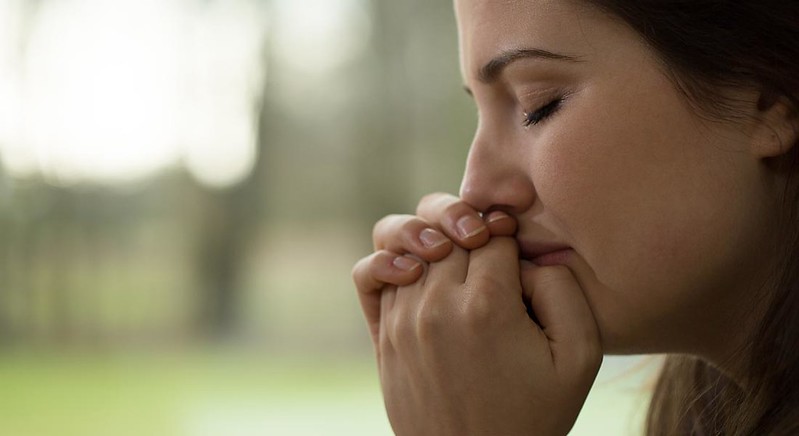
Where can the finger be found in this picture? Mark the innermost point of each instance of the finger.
(564, 316)
(372, 273)
(445, 273)
(404, 234)
(500, 223)
(459, 221)
(382, 341)
(494, 268)
(385, 267)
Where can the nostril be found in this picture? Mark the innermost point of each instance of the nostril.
(496, 180)
(475, 196)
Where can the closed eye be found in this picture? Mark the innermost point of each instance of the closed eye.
(541, 114)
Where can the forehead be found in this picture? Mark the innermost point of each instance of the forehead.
(489, 27)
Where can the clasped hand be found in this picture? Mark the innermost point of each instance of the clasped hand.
(449, 304)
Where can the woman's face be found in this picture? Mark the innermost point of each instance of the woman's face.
(590, 145)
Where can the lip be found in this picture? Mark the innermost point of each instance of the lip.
(544, 253)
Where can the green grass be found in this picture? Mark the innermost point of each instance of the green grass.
(206, 394)
(187, 395)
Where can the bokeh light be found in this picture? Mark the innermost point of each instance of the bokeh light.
(185, 185)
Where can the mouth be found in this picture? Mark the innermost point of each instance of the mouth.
(544, 253)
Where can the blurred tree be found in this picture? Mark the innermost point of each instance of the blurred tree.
(382, 159)
(416, 121)
(336, 150)
(5, 257)
(227, 226)
(229, 229)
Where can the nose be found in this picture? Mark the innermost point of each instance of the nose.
(497, 176)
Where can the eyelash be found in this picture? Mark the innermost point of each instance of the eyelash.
(540, 115)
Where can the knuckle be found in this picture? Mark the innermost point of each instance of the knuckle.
(456, 208)
(477, 311)
(412, 225)
(589, 353)
(373, 269)
(587, 361)
(584, 362)
(377, 260)
(359, 267)
(592, 359)
(398, 329)
(397, 231)
(485, 284)
(430, 320)
(366, 269)
(430, 199)
(383, 224)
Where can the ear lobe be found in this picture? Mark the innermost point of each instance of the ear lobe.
(777, 127)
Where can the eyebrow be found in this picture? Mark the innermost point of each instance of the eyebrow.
(492, 70)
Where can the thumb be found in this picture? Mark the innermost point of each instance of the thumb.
(564, 316)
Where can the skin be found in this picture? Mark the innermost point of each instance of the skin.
(669, 214)
(625, 172)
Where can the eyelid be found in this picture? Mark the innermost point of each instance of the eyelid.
(539, 95)
(543, 113)
(549, 102)
(536, 99)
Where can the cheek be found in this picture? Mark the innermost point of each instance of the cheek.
(644, 201)
(614, 190)
(629, 177)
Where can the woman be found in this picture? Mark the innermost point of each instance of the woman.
(631, 188)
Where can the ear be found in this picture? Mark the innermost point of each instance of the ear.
(777, 127)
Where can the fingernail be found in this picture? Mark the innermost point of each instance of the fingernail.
(431, 238)
(406, 263)
(469, 226)
(495, 216)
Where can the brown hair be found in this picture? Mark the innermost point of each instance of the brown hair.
(708, 46)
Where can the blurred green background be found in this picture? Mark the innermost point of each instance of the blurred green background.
(185, 185)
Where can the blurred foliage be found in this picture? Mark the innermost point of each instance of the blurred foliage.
(167, 260)
(108, 290)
